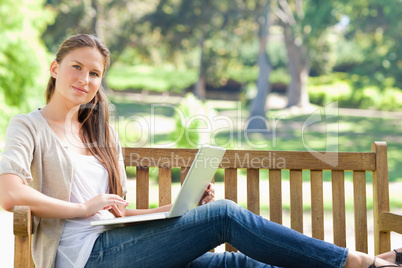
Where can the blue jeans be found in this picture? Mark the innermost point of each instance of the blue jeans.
(184, 241)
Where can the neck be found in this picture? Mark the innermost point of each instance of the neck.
(57, 111)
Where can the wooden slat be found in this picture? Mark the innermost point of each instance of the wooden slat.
(382, 239)
(275, 196)
(338, 207)
(231, 184)
(296, 200)
(183, 173)
(317, 204)
(142, 191)
(360, 210)
(230, 194)
(22, 236)
(253, 190)
(168, 157)
(165, 186)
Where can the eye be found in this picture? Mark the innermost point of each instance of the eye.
(95, 74)
(77, 67)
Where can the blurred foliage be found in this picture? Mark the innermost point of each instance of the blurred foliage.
(357, 37)
(193, 122)
(117, 22)
(339, 87)
(22, 54)
(375, 26)
(214, 30)
(23, 57)
(360, 37)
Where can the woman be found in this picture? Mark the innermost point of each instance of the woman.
(72, 160)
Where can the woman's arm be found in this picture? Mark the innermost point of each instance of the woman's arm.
(209, 196)
(14, 192)
(135, 212)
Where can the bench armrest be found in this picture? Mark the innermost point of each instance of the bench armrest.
(22, 222)
(390, 222)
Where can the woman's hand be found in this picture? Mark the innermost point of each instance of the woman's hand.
(136, 212)
(104, 201)
(209, 195)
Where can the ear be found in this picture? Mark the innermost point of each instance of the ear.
(54, 69)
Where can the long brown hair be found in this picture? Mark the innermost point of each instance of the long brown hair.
(94, 116)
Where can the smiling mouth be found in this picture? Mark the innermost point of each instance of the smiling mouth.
(80, 90)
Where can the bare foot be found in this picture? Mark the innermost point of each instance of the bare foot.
(380, 262)
(389, 256)
(361, 260)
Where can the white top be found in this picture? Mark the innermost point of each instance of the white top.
(78, 237)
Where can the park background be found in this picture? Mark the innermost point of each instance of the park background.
(263, 67)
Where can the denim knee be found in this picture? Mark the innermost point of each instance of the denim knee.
(225, 204)
(226, 259)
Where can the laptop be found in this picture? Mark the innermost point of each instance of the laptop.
(199, 176)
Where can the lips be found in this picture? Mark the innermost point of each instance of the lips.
(80, 90)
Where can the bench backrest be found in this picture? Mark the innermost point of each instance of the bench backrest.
(295, 163)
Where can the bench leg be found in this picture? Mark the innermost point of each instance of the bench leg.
(22, 237)
(22, 252)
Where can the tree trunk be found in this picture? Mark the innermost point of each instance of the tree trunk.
(297, 91)
(257, 119)
(97, 22)
(200, 86)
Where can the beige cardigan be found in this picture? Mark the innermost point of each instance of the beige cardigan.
(35, 153)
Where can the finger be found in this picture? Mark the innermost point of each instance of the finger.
(209, 191)
(207, 199)
(211, 187)
(117, 210)
(117, 200)
(123, 210)
(115, 197)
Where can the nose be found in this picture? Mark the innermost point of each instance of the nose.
(84, 78)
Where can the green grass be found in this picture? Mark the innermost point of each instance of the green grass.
(168, 78)
(338, 133)
(160, 79)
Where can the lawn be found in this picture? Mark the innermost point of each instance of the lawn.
(150, 123)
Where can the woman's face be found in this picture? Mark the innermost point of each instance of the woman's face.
(78, 76)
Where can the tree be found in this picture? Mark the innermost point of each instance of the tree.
(257, 109)
(22, 54)
(118, 23)
(375, 26)
(303, 22)
(23, 57)
(203, 26)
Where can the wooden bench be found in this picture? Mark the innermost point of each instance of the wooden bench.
(295, 163)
